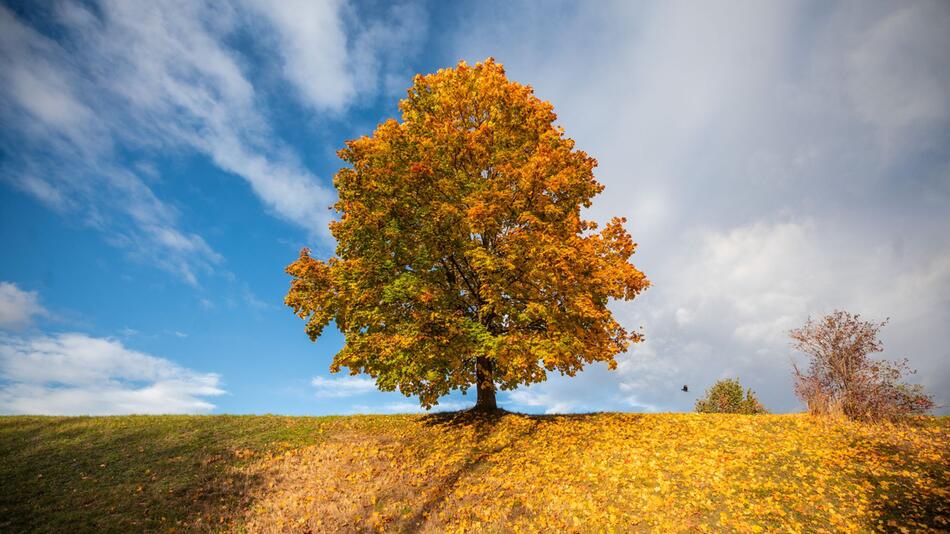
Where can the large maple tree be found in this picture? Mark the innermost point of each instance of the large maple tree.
(462, 258)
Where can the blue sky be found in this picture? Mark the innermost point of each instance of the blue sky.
(161, 164)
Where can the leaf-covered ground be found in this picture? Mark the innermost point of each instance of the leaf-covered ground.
(465, 472)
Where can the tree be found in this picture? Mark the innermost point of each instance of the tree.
(842, 378)
(726, 396)
(462, 258)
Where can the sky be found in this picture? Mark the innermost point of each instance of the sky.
(162, 162)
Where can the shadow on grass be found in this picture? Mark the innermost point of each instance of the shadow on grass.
(486, 447)
(484, 424)
(480, 419)
(918, 498)
(125, 474)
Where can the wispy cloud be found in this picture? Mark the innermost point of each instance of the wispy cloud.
(408, 407)
(331, 54)
(75, 374)
(344, 387)
(18, 307)
(89, 107)
(181, 86)
(341, 387)
(61, 130)
(548, 402)
(127, 332)
(311, 43)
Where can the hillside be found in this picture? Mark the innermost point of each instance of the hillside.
(630, 472)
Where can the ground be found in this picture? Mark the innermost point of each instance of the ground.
(473, 472)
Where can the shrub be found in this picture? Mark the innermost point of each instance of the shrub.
(726, 396)
(841, 378)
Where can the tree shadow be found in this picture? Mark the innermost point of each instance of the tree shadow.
(916, 494)
(483, 424)
(482, 420)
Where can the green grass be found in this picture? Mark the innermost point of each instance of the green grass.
(125, 474)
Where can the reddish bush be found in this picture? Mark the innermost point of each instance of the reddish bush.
(842, 379)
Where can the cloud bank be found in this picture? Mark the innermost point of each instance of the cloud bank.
(775, 160)
(75, 374)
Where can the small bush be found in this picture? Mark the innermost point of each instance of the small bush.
(726, 396)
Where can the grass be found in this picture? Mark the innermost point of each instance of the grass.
(125, 474)
(469, 472)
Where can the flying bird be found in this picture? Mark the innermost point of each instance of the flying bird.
(686, 389)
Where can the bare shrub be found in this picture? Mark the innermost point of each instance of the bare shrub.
(841, 378)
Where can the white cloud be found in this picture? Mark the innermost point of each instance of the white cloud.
(353, 386)
(549, 402)
(18, 307)
(331, 53)
(746, 288)
(408, 407)
(344, 386)
(384, 42)
(312, 44)
(75, 374)
(759, 271)
(769, 277)
(36, 83)
(683, 316)
(179, 82)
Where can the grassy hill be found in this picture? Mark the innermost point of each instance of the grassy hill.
(461, 472)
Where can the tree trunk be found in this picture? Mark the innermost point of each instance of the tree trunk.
(485, 386)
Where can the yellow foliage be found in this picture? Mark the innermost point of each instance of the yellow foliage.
(462, 258)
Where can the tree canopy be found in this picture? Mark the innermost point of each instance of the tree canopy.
(462, 257)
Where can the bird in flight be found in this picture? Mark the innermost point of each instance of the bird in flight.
(686, 389)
